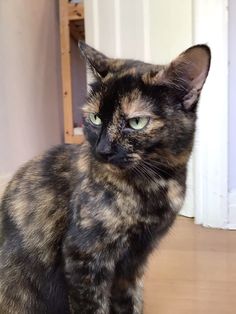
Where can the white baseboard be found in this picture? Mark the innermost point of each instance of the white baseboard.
(232, 210)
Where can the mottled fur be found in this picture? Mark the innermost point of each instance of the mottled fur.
(80, 221)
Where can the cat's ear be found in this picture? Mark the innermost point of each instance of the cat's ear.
(190, 69)
(188, 73)
(98, 62)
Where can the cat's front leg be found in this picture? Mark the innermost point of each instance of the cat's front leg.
(88, 271)
(126, 297)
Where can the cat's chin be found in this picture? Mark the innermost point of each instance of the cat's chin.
(114, 168)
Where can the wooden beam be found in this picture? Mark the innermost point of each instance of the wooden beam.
(77, 139)
(75, 11)
(66, 71)
(77, 30)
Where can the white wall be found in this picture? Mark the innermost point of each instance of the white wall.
(232, 111)
(30, 87)
(232, 95)
(139, 29)
(211, 144)
(170, 28)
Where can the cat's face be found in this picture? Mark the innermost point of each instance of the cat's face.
(141, 115)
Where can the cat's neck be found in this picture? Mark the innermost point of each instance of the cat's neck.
(128, 180)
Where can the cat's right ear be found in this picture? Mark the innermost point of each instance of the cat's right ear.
(190, 70)
(97, 61)
(188, 73)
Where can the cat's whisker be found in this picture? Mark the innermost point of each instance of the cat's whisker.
(151, 168)
(177, 176)
(144, 174)
(153, 180)
(158, 170)
(152, 176)
(155, 165)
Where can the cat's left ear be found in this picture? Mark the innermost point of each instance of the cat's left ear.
(188, 72)
(97, 61)
(191, 68)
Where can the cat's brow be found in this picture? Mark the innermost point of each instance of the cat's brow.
(92, 106)
(137, 114)
(135, 106)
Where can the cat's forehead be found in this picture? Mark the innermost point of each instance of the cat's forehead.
(135, 104)
(131, 104)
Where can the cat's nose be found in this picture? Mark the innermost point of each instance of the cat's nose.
(103, 149)
(103, 153)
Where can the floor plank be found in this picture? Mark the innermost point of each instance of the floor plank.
(192, 272)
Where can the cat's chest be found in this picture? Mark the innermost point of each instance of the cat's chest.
(110, 220)
(118, 211)
(115, 210)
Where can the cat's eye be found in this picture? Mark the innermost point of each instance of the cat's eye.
(138, 123)
(94, 118)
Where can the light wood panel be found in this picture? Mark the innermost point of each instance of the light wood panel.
(193, 272)
(70, 14)
(75, 11)
(66, 72)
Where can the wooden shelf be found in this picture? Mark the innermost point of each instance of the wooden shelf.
(71, 25)
(75, 11)
(76, 139)
(77, 30)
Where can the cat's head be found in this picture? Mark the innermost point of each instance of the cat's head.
(143, 115)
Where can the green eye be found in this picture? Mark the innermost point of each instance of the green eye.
(138, 123)
(94, 118)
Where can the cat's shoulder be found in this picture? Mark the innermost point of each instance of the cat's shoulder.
(51, 169)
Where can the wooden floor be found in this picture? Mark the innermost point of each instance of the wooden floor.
(193, 272)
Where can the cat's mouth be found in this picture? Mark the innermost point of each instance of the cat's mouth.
(119, 163)
(116, 163)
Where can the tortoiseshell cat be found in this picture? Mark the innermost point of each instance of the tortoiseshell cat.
(80, 221)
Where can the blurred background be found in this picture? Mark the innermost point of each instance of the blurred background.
(43, 85)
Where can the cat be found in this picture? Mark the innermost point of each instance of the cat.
(79, 222)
